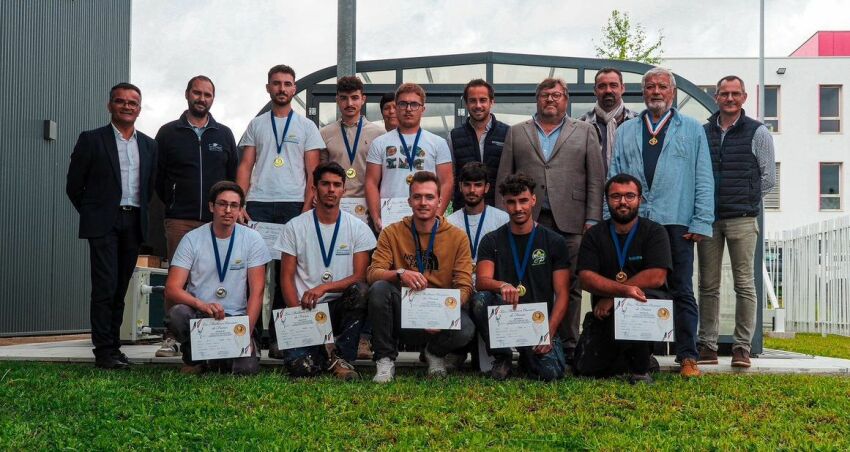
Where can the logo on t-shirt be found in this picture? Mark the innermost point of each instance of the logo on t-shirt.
(215, 147)
(343, 250)
(635, 258)
(429, 262)
(238, 264)
(391, 151)
(538, 257)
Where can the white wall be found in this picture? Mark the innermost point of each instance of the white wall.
(799, 146)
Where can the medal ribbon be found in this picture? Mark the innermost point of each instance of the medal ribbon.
(655, 128)
(622, 251)
(419, 261)
(222, 271)
(473, 245)
(410, 153)
(520, 269)
(352, 153)
(329, 255)
(285, 129)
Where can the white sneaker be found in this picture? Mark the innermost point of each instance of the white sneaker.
(436, 365)
(385, 371)
(168, 348)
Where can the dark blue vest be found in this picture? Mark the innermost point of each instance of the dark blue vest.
(737, 178)
(465, 150)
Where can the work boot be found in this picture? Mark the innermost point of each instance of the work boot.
(364, 348)
(689, 368)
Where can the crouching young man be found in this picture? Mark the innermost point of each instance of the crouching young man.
(422, 251)
(324, 254)
(523, 262)
(211, 273)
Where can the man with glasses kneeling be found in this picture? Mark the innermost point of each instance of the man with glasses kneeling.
(210, 274)
(625, 256)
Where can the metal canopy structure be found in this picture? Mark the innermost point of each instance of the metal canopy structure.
(514, 77)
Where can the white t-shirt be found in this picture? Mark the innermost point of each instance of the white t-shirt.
(388, 152)
(195, 253)
(493, 219)
(286, 183)
(299, 239)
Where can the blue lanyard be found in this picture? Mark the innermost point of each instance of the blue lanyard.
(352, 153)
(520, 269)
(329, 255)
(473, 245)
(285, 130)
(419, 262)
(222, 271)
(408, 152)
(622, 251)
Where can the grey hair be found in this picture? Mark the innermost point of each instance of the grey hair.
(551, 82)
(658, 71)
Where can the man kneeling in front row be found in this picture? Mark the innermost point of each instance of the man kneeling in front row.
(210, 274)
(626, 256)
(523, 262)
(324, 254)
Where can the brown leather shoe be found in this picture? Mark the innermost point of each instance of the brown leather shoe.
(689, 368)
(740, 358)
(197, 369)
(342, 370)
(364, 349)
(707, 355)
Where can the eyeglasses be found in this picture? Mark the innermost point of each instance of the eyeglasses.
(733, 94)
(412, 106)
(126, 103)
(553, 96)
(629, 197)
(225, 205)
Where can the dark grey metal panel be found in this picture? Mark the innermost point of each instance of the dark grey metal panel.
(58, 60)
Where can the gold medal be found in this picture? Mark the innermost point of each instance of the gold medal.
(520, 289)
(622, 277)
(409, 179)
(351, 173)
(278, 162)
(653, 141)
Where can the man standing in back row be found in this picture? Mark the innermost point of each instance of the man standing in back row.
(668, 153)
(609, 111)
(744, 172)
(280, 150)
(562, 155)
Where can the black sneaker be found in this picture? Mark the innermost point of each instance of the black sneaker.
(501, 369)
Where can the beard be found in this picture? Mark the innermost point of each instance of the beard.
(623, 218)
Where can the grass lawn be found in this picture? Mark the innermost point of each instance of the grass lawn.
(67, 406)
(813, 344)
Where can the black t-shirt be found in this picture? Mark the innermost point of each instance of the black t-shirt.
(548, 253)
(650, 248)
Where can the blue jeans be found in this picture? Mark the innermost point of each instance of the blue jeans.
(680, 281)
(348, 313)
(280, 213)
(548, 367)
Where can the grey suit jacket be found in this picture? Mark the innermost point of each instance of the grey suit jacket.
(573, 177)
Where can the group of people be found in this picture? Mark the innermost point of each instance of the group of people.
(611, 203)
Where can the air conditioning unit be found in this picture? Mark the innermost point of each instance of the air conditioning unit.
(137, 305)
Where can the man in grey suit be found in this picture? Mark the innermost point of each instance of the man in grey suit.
(565, 156)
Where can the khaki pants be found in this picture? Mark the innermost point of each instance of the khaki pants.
(741, 236)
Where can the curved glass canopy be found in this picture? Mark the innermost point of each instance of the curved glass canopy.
(513, 76)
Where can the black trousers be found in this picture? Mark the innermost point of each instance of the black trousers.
(598, 354)
(113, 259)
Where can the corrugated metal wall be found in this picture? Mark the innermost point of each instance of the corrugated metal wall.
(58, 60)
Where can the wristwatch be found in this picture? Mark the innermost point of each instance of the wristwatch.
(399, 272)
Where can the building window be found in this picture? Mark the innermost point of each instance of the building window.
(771, 199)
(830, 109)
(830, 186)
(771, 108)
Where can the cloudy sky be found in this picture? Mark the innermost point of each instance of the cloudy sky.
(234, 42)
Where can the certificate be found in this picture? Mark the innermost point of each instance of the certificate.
(297, 327)
(394, 210)
(356, 207)
(269, 232)
(525, 326)
(220, 339)
(650, 321)
(436, 309)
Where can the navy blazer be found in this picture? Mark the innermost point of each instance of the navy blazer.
(94, 180)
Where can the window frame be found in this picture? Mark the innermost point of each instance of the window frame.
(778, 116)
(821, 196)
(821, 119)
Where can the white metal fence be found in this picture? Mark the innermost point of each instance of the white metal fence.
(809, 268)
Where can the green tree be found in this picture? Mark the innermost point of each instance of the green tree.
(622, 40)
